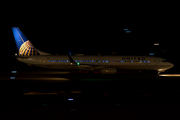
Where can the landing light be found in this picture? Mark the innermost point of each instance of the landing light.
(170, 75)
(161, 70)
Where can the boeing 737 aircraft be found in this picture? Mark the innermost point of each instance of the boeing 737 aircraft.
(28, 54)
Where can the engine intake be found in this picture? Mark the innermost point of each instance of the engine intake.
(108, 71)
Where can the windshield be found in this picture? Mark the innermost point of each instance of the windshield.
(164, 60)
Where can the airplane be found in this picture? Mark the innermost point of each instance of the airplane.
(106, 64)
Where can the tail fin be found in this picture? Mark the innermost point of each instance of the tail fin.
(24, 46)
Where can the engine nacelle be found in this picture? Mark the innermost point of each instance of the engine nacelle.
(108, 71)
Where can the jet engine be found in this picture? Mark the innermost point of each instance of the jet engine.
(108, 71)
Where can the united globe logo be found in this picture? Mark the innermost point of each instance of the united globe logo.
(27, 49)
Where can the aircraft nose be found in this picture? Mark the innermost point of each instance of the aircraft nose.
(172, 65)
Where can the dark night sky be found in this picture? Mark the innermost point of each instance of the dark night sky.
(91, 30)
(91, 36)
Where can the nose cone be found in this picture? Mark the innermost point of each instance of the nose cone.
(171, 65)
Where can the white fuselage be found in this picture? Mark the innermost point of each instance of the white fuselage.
(98, 62)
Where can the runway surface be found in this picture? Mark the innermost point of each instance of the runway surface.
(68, 95)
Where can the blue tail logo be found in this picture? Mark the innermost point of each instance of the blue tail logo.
(24, 46)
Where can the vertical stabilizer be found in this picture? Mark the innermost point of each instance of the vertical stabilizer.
(24, 46)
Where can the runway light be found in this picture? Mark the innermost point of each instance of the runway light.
(156, 43)
(14, 71)
(128, 31)
(44, 104)
(70, 99)
(75, 91)
(119, 104)
(151, 53)
(72, 109)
